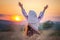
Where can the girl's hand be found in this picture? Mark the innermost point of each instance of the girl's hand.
(20, 5)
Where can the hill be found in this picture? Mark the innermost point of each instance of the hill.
(6, 25)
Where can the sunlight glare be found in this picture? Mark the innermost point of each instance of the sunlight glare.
(16, 18)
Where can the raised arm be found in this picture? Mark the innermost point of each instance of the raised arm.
(42, 13)
(23, 10)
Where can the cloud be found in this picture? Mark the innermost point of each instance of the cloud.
(2, 15)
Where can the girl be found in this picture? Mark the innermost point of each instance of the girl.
(32, 19)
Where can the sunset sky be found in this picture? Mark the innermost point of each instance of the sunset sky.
(11, 7)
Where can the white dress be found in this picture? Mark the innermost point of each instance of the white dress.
(32, 18)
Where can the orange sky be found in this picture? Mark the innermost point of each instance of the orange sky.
(11, 7)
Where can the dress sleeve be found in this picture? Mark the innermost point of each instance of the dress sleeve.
(24, 13)
(41, 15)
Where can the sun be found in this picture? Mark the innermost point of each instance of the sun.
(17, 18)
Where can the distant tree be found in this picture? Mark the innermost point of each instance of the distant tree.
(47, 25)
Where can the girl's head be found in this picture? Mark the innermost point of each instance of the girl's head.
(32, 13)
(32, 17)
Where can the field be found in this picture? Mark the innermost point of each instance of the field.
(19, 36)
(17, 33)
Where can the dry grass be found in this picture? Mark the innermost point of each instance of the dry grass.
(18, 35)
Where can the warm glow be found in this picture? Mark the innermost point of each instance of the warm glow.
(17, 18)
(11, 7)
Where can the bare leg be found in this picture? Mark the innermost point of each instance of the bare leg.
(25, 30)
